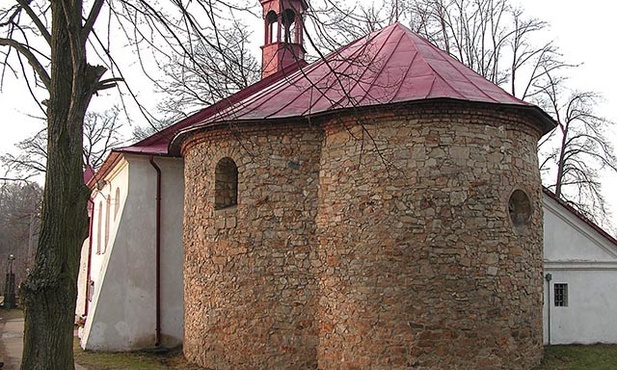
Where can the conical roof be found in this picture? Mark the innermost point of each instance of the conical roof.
(392, 65)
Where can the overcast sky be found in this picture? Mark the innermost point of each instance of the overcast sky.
(584, 31)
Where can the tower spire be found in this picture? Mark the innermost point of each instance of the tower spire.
(284, 33)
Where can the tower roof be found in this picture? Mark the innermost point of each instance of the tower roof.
(392, 65)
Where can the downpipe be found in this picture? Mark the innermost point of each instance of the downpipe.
(157, 233)
(548, 278)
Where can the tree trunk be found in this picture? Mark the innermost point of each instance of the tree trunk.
(50, 290)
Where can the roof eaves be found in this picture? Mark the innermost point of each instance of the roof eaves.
(168, 133)
(112, 159)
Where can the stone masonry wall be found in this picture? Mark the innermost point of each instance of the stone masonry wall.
(419, 263)
(384, 243)
(249, 289)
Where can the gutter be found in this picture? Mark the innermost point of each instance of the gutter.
(157, 232)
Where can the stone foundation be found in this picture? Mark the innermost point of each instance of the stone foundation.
(385, 243)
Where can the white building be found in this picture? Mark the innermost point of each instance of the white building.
(130, 282)
(580, 270)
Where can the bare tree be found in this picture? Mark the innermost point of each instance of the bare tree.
(142, 132)
(210, 73)
(577, 153)
(45, 44)
(20, 204)
(100, 135)
(49, 292)
(30, 161)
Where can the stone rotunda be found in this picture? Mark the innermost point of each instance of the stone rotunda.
(379, 209)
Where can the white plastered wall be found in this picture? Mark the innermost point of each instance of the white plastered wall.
(580, 256)
(122, 314)
(95, 244)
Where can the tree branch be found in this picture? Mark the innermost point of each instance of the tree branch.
(34, 62)
(25, 4)
(94, 13)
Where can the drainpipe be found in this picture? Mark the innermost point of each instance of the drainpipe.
(548, 278)
(88, 267)
(157, 233)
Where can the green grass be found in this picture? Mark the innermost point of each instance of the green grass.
(575, 357)
(116, 361)
(139, 360)
(579, 357)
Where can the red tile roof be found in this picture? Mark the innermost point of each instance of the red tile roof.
(88, 174)
(392, 65)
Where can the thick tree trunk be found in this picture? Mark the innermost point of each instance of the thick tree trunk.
(50, 290)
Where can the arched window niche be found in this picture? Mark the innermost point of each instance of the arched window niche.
(272, 28)
(289, 26)
(519, 210)
(225, 184)
(107, 215)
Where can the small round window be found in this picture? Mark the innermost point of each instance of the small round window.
(519, 208)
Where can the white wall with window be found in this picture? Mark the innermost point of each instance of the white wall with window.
(102, 231)
(580, 279)
(122, 313)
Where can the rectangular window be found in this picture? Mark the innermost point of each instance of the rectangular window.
(561, 294)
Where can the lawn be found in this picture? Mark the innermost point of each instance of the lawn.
(142, 360)
(573, 357)
(579, 357)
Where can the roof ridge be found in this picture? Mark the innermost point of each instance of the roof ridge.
(400, 86)
(458, 65)
(313, 86)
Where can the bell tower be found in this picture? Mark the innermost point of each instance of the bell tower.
(284, 30)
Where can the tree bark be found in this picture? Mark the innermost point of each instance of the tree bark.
(50, 290)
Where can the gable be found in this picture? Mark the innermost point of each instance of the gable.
(567, 237)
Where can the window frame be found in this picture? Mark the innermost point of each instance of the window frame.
(560, 295)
